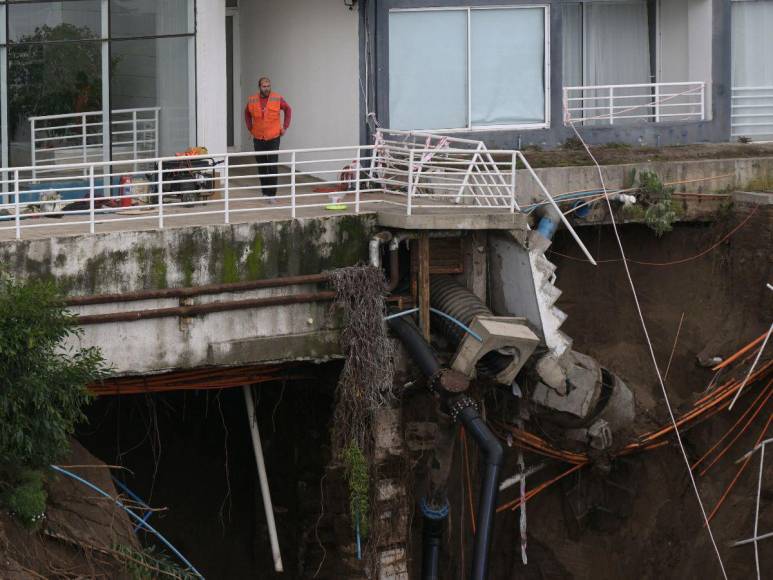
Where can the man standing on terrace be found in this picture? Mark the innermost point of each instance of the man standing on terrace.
(262, 117)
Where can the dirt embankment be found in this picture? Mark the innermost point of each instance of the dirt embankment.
(653, 528)
(81, 532)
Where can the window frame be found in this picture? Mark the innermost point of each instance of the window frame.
(105, 39)
(470, 128)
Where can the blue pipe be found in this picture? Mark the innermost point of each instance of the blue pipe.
(461, 324)
(581, 208)
(131, 513)
(547, 227)
(136, 498)
(357, 531)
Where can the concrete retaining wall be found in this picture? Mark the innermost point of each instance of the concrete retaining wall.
(726, 175)
(182, 257)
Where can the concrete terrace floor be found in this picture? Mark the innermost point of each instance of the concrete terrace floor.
(246, 205)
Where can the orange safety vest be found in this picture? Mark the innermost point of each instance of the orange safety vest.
(265, 122)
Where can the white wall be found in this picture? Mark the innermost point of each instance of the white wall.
(211, 75)
(309, 49)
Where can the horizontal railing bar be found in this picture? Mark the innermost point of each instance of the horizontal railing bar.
(695, 84)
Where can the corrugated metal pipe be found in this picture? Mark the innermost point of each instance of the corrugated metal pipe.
(447, 295)
(462, 409)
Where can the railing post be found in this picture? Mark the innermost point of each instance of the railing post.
(357, 177)
(17, 204)
(91, 199)
(512, 184)
(160, 195)
(410, 180)
(155, 132)
(33, 144)
(134, 139)
(84, 130)
(657, 103)
(703, 101)
(611, 105)
(292, 184)
(226, 193)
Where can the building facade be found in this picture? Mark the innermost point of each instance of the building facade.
(167, 75)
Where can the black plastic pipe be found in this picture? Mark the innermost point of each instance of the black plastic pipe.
(491, 451)
(432, 538)
(417, 347)
(492, 456)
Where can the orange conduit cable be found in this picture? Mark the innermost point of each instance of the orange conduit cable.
(672, 262)
(732, 428)
(463, 435)
(740, 471)
(515, 504)
(740, 353)
(741, 432)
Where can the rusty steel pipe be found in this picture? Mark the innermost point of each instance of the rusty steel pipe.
(195, 309)
(196, 290)
(205, 308)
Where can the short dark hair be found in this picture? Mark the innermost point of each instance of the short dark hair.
(261, 79)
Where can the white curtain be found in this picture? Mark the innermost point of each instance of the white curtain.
(428, 69)
(507, 66)
(616, 44)
(616, 52)
(571, 34)
(752, 58)
(752, 44)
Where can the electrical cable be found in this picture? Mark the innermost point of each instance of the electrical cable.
(652, 351)
(673, 262)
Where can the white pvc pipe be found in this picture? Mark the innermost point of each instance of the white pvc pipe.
(264, 491)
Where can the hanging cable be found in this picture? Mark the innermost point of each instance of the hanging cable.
(651, 349)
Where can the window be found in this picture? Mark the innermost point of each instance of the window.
(469, 68)
(93, 80)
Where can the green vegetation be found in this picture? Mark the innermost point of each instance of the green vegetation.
(23, 495)
(42, 389)
(356, 468)
(150, 563)
(662, 211)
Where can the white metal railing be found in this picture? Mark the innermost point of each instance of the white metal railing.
(204, 189)
(657, 102)
(165, 189)
(752, 113)
(468, 169)
(79, 137)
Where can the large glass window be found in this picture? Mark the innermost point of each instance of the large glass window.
(135, 18)
(150, 92)
(468, 68)
(54, 21)
(90, 80)
(52, 88)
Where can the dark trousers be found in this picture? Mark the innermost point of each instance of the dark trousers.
(267, 165)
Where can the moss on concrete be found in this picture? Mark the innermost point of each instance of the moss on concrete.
(180, 257)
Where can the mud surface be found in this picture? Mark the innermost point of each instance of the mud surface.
(648, 524)
(80, 534)
(572, 153)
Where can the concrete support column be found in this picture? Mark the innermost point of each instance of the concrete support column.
(211, 80)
